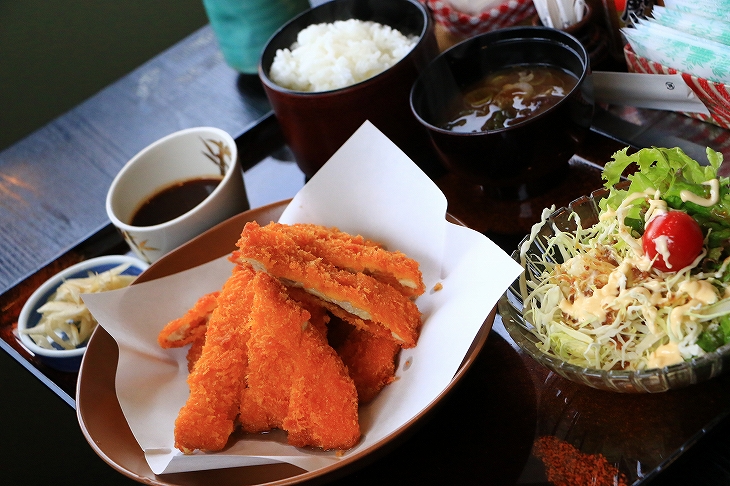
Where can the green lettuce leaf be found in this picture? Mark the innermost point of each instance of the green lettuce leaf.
(668, 170)
(671, 171)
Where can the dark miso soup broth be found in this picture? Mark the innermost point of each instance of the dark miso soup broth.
(507, 97)
(173, 201)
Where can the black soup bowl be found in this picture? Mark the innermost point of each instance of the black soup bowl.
(523, 159)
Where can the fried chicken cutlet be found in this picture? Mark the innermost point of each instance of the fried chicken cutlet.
(208, 417)
(370, 360)
(369, 357)
(276, 325)
(262, 350)
(323, 405)
(276, 253)
(356, 254)
(295, 380)
(311, 300)
(190, 328)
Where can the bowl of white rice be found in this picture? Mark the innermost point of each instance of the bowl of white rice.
(342, 63)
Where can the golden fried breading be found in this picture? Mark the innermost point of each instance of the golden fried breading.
(207, 419)
(260, 354)
(370, 360)
(277, 253)
(323, 405)
(288, 352)
(356, 254)
(195, 351)
(276, 329)
(315, 231)
(369, 357)
(190, 327)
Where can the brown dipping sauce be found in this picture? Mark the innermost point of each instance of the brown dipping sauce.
(174, 201)
(507, 97)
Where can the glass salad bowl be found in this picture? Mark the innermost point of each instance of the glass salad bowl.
(654, 380)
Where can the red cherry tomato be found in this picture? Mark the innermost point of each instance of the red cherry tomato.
(683, 240)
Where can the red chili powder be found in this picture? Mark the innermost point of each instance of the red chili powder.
(567, 466)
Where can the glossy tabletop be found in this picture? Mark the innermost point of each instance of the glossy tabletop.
(53, 185)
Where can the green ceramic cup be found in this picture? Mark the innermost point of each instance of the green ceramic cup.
(243, 27)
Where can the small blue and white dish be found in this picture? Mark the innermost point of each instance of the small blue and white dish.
(59, 358)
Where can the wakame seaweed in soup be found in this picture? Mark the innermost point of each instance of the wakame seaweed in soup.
(507, 97)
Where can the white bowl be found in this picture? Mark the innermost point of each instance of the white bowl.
(67, 359)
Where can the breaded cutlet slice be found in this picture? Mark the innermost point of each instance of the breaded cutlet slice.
(207, 419)
(369, 356)
(276, 325)
(312, 301)
(323, 404)
(370, 360)
(356, 254)
(188, 328)
(318, 315)
(195, 351)
(323, 407)
(296, 381)
(277, 253)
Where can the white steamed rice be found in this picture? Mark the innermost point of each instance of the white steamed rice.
(334, 55)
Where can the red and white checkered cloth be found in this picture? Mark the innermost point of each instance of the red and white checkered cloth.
(507, 14)
(715, 96)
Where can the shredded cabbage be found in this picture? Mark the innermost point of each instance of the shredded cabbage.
(604, 306)
(65, 319)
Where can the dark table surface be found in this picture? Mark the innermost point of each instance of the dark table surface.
(52, 190)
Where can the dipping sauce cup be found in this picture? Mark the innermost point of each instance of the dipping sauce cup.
(181, 159)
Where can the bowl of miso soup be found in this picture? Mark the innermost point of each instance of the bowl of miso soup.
(507, 109)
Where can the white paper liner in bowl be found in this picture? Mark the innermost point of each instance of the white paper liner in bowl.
(368, 187)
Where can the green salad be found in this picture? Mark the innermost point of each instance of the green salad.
(648, 285)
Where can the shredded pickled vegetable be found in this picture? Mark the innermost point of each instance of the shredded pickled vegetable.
(65, 319)
(605, 306)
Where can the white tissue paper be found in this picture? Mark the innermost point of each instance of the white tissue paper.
(368, 187)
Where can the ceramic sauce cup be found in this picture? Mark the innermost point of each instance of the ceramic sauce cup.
(175, 189)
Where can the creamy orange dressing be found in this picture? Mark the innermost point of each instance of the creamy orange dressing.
(648, 296)
(700, 290)
(665, 355)
(700, 293)
(588, 308)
